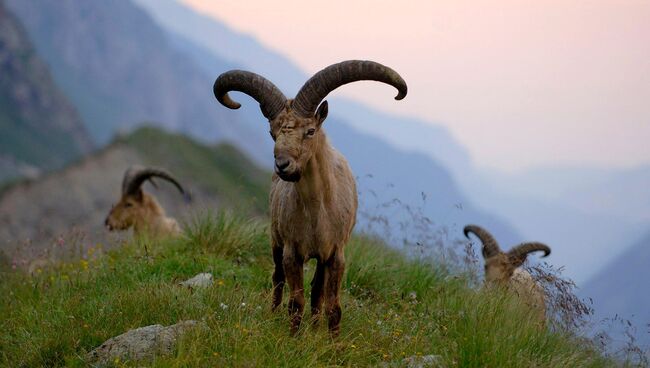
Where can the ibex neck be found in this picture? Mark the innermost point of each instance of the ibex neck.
(151, 217)
(315, 185)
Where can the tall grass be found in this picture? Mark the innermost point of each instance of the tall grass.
(393, 307)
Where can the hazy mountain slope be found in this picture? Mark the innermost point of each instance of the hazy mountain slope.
(119, 69)
(237, 48)
(77, 199)
(622, 288)
(38, 126)
(624, 193)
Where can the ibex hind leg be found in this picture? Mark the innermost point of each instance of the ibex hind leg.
(333, 276)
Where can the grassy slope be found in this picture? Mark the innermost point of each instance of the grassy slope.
(58, 315)
(222, 169)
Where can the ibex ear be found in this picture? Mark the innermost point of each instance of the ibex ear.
(321, 113)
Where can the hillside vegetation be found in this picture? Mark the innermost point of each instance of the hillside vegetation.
(393, 308)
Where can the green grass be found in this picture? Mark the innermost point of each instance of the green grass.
(55, 317)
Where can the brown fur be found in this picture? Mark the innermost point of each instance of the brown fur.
(313, 211)
(144, 214)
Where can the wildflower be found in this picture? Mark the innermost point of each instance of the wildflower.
(84, 264)
(220, 282)
(353, 346)
(223, 306)
(243, 304)
(215, 354)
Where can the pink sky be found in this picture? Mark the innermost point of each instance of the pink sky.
(519, 83)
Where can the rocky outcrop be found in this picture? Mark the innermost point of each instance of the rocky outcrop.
(141, 343)
(200, 281)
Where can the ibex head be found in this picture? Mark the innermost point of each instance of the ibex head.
(136, 207)
(500, 266)
(295, 124)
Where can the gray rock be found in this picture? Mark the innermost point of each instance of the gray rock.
(202, 280)
(422, 361)
(415, 361)
(141, 343)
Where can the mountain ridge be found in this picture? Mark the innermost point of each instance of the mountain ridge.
(39, 128)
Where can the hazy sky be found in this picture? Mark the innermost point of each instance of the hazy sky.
(519, 83)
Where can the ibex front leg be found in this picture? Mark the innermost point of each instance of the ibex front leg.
(317, 292)
(293, 269)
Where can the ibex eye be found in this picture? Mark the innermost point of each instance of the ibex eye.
(311, 132)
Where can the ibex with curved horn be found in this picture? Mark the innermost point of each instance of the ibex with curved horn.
(313, 192)
(505, 268)
(140, 210)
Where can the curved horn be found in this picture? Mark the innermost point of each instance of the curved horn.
(522, 250)
(322, 83)
(490, 245)
(270, 98)
(135, 176)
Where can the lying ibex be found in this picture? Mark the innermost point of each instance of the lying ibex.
(505, 268)
(313, 192)
(140, 210)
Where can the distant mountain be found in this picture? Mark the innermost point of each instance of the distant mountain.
(219, 39)
(39, 128)
(120, 70)
(623, 193)
(622, 288)
(76, 199)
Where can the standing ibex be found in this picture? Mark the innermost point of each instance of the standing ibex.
(505, 268)
(313, 192)
(140, 210)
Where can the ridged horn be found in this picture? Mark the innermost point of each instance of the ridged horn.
(523, 249)
(135, 176)
(490, 246)
(325, 81)
(270, 98)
